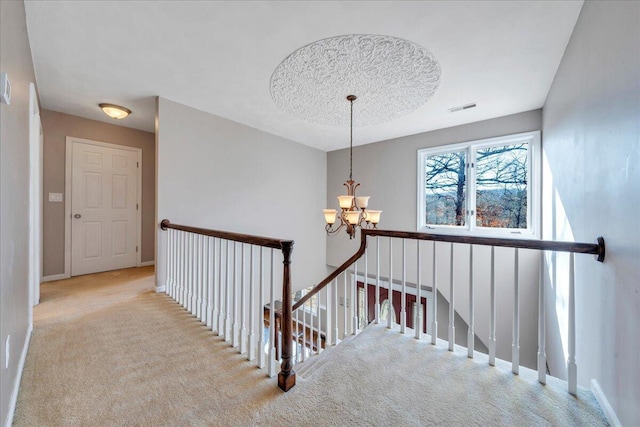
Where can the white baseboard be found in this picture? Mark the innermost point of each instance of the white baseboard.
(604, 404)
(147, 263)
(54, 277)
(160, 289)
(16, 385)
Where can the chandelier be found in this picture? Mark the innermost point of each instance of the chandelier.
(353, 209)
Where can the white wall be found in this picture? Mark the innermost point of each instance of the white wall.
(591, 126)
(387, 171)
(216, 173)
(15, 59)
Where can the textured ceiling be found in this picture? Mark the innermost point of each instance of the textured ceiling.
(391, 77)
(219, 57)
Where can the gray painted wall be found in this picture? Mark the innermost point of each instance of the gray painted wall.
(57, 126)
(387, 171)
(15, 57)
(216, 173)
(592, 146)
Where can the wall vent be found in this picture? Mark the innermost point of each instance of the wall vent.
(462, 107)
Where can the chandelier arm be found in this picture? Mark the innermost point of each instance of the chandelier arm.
(329, 228)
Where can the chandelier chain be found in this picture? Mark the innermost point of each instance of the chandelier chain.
(351, 143)
(353, 210)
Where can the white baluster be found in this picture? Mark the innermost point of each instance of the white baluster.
(194, 273)
(243, 304)
(572, 368)
(185, 271)
(210, 281)
(169, 262)
(228, 294)
(418, 314)
(328, 315)
(304, 330)
(403, 297)
(189, 271)
(434, 299)
(327, 326)
(252, 309)
(272, 322)
(236, 303)
(365, 283)
(194, 276)
(261, 343)
(344, 306)
(452, 326)
(180, 267)
(542, 356)
(377, 303)
(354, 299)
(199, 271)
(297, 358)
(392, 311)
(492, 321)
(515, 345)
(318, 338)
(204, 283)
(471, 333)
(174, 263)
(335, 313)
(217, 249)
(221, 287)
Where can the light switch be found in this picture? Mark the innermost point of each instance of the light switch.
(55, 197)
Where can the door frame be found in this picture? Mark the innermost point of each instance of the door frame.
(67, 191)
(35, 199)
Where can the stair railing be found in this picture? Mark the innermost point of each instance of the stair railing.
(322, 315)
(223, 279)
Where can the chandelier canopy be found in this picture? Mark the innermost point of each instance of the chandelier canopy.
(353, 209)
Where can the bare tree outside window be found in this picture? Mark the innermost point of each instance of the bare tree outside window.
(445, 188)
(500, 187)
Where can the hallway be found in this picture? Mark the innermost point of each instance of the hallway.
(107, 350)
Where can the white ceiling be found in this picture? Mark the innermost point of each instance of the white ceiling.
(219, 57)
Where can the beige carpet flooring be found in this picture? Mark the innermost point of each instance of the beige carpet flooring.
(108, 351)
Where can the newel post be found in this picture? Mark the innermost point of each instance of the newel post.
(287, 376)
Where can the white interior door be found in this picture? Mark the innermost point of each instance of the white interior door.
(104, 194)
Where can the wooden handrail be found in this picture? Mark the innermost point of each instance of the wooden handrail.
(334, 274)
(266, 242)
(287, 376)
(597, 249)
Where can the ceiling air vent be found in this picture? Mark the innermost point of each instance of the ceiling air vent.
(462, 107)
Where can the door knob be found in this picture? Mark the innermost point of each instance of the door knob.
(77, 216)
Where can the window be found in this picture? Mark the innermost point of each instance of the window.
(489, 187)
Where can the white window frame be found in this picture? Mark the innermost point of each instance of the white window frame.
(534, 173)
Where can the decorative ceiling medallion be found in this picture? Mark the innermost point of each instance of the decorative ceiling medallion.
(391, 76)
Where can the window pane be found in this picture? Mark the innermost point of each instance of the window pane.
(501, 186)
(445, 188)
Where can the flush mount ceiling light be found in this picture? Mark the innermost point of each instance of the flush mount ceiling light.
(391, 76)
(115, 111)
